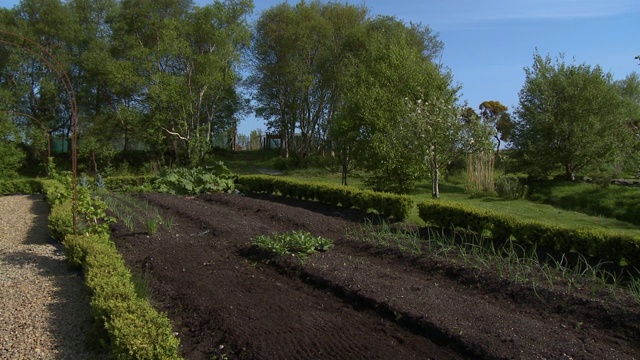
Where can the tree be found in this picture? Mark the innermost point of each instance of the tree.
(387, 69)
(11, 156)
(495, 114)
(438, 134)
(255, 139)
(297, 51)
(570, 116)
(629, 89)
(183, 61)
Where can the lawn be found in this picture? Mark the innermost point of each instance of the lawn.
(254, 162)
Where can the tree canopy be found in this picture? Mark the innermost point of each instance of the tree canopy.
(569, 116)
(162, 75)
(159, 82)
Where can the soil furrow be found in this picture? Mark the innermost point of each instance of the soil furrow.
(351, 302)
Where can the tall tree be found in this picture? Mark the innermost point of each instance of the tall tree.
(497, 115)
(438, 133)
(185, 62)
(297, 51)
(570, 116)
(34, 72)
(387, 68)
(629, 89)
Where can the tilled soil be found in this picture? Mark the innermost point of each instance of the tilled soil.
(354, 301)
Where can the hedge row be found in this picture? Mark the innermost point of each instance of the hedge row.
(129, 183)
(26, 186)
(606, 245)
(390, 205)
(133, 328)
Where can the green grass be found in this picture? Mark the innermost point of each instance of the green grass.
(527, 210)
(582, 202)
(248, 162)
(619, 202)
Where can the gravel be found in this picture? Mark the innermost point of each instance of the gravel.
(44, 310)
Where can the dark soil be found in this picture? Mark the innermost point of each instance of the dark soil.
(355, 301)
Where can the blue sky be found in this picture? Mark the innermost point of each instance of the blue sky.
(488, 43)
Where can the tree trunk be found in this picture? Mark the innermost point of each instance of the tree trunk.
(435, 184)
(435, 177)
(571, 175)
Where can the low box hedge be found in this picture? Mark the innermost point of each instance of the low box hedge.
(606, 245)
(135, 329)
(23, 186)
(132, 328)
(387, 204)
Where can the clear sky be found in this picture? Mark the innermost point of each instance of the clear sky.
(488, 43)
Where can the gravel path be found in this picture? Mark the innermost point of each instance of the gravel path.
(44, 313)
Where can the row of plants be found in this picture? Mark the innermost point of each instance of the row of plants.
(509, 260)
(129, 327)
(621, 248)
(387, 204)
(132, 211)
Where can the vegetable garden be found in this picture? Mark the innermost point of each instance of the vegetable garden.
(297, 269)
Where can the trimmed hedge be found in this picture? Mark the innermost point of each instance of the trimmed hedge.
(387, 204)
(129, 183)
(25, 186)
(133, 328)
(606, 245)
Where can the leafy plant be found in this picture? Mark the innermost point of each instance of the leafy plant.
(296, 243)
(183, 181)
(93, 212)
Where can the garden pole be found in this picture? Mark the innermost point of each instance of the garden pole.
(57, 67)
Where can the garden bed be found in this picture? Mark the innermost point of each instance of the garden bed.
(226, 297)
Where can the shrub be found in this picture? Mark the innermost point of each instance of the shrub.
(130, 183)
(387, 204)
(183, 181)
(61, 220)
(133, 328)
(297, 243)
(510, 188)
(607, 245)
(12, 187)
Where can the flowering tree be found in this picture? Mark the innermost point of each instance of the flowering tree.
(439, 135)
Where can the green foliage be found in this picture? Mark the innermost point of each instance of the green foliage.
(134, 329)
(607, 245)
(511, 188)
(61, 220)
(379, 126)
(92, 211)
(570, 117)
(130, 183)
(618, 202)
(56, 192)
(387, 204)
(296, 243)
(11, 157)
(384, 235)
(183, 181)
(297, 51)
(27, 186)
